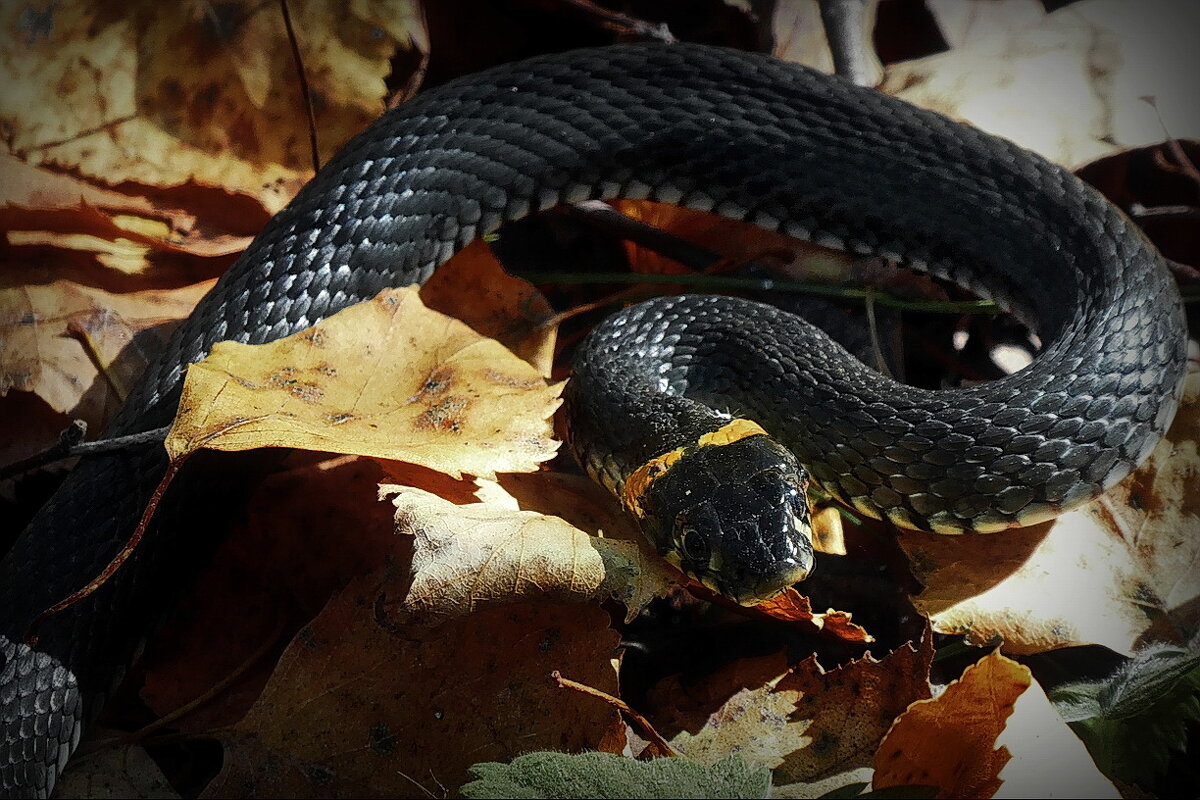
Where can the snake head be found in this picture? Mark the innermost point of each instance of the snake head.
(735, 517)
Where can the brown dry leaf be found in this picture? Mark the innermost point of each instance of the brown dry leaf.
(54, 336)
(850, 709)
(1093, 576)
(581, 502)
(1157, 513)
(1071, 84)
(755, 723)
(307, 531)
(386, 378)
(804, 723)
(467, 556)
(791, 606)
(737, 241)
(40, 206)
(369, 699)
(474, 288)
(165, 94)
(124, 770)
(949, 742)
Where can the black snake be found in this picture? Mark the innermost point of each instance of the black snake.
(738, 134)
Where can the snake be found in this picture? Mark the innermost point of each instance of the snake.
(708, 417)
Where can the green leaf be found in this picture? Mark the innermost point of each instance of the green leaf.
(1134, 721)
(602, 775)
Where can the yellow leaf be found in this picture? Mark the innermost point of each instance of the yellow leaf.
(386, 378)
(56, 337)
(485, 552)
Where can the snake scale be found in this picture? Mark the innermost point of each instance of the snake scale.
(738, 134)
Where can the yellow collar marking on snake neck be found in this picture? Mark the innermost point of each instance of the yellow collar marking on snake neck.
(639, 481)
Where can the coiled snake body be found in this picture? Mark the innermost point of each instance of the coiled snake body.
(739, 134)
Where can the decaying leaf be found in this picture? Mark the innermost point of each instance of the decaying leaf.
(791, 606)
(806, 723)
(851, 709)
(308, 530)
(386, 378)
(1071, 85)
(1156, 511)
(472, 287)
(121, 85)
(469, 555)
(950, 741)
(121, 771)
(55, 337)
(369, 699)
(1048, 759)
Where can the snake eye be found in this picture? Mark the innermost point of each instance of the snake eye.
(695, 546)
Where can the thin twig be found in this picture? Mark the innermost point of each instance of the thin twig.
(305, 94)
(31, 636)
(270, 641)
(1140, 212)
(605, 218)
(623, 23)
(648, 731)
(69, 445)
(769, 284)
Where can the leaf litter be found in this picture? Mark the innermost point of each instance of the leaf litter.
(454, 671)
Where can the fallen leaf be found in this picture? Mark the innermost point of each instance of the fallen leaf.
(791, 606)
(386, 378)
(370, 701)
(806, 723)
(121, 771)
(308, 530)
(755, 723)
(1071, 84)
(467, 556)
(851, 709)
(472, 287)
(950, 741)
(174, 94)
(1156, 511)
(55, 336)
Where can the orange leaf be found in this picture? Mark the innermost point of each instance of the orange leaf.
(949, 742)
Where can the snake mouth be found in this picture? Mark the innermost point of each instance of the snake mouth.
(777, 554)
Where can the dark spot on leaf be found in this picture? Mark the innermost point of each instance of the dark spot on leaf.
(445, 415)
(511, 380)
(824, 743)
(307, 638)
(308, 392)
(549, 640)
(338, 419)
(438, 382)
(383, 741)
